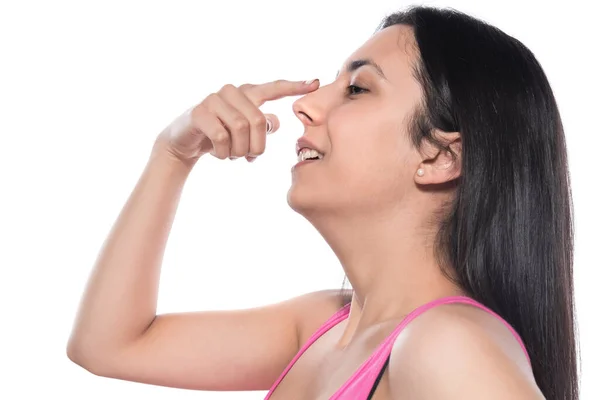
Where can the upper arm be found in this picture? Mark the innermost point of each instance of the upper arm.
(451, 355)
(219, 350)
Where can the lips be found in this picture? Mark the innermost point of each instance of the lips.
(304, 142)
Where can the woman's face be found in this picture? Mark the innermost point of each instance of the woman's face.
(368, 162)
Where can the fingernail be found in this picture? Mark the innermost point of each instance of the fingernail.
(269, 126)
(251, 159)
(309, 82)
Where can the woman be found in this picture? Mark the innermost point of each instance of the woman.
(435, 167)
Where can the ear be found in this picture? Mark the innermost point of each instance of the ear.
(439, 166)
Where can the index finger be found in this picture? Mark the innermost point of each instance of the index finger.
(259, 94)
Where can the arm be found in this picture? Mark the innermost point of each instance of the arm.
(119, 303)
(117, 333)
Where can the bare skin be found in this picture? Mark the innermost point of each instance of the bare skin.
(117, 332)
(365, 199)
(370, 205)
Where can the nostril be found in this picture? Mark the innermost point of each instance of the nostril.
(301, 109)
(305, 115)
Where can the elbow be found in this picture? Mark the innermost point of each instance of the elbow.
(74, 353)
(85, 359)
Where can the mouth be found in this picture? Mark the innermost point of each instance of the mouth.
(305, 154)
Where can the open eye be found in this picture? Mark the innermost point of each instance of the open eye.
(350, 90)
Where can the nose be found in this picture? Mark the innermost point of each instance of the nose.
(302, 111)
(310, 109)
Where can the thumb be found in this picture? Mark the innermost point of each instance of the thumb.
(272, 123)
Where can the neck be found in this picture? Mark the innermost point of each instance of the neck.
(390, 263)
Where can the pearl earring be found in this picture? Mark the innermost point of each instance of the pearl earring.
(420, 172)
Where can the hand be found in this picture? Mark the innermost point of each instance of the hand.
(228, 124)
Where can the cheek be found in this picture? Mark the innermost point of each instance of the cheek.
(368, 151)
(366, 138)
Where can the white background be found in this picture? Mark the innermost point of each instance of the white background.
(85, 87)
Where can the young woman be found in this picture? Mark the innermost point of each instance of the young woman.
(435, 167)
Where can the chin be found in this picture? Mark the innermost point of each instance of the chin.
(303, 200)
(309, 202)
(300, 200)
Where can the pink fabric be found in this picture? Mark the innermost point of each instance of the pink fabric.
(360, 383)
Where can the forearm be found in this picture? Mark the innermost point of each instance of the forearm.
(120, 300)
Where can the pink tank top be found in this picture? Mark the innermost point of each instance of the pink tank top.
(361, 382)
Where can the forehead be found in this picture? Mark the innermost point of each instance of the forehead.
(392, 48)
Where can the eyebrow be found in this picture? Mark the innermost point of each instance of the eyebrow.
(356, 64)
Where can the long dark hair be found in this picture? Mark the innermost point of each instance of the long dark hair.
(507, 236)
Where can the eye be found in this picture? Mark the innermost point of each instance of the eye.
(349, 90)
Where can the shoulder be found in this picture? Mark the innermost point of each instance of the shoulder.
(459, 351)
(316, 308)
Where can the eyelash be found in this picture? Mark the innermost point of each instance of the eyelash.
(362, 90)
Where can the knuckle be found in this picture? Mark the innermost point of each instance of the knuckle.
(212, 96)
(220, 137)
(260, 121)
(197, 111)
(209, 100)
(227, 87)
(198, 116)
(240, 125)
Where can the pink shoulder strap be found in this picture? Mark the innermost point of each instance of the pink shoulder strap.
(360, 383)
(340, 315)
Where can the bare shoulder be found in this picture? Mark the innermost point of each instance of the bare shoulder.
(459, 351)
(316, 308)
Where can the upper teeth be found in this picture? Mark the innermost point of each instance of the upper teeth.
(308, 153)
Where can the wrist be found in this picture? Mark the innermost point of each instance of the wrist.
(169, 161)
